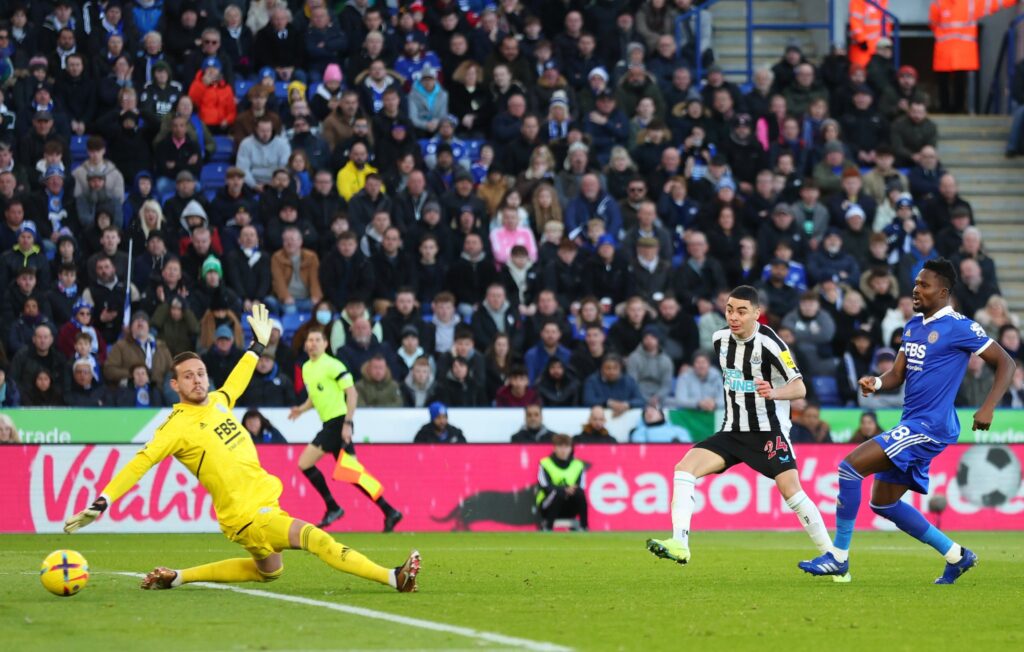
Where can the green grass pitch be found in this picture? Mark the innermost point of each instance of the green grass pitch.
(741, 591)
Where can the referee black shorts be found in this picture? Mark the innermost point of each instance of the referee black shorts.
(768, 453)
(329, 438)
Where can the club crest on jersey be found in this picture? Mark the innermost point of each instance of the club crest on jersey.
(907, 334)
(755, 359)
(933, 337)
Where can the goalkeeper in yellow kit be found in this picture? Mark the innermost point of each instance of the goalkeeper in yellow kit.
(202, 434)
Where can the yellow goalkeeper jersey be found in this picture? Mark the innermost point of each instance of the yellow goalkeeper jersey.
(214, 446)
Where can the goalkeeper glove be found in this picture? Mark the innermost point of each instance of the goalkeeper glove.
(259, 321)
(86, 516)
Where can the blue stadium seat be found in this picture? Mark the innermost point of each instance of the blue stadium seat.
(242, 87)
(827, 390)
(209, 194)
(225, 149)
(423, 145)
(212, 176)
(281, 90)
(291, 323)
(78, 151)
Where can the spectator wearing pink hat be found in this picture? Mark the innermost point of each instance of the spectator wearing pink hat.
(328, 94)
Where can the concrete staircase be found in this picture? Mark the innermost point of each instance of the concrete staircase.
(971, 147)
(730, 34)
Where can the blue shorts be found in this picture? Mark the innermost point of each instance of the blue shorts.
(911, 452)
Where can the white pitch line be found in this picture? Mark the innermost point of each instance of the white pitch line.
(468, 632)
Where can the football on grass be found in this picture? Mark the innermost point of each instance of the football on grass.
(64, 572)
(988, 476)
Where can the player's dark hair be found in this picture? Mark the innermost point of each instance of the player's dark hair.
(182, 358)
(316, 329)
(944, 269)
(746, 293)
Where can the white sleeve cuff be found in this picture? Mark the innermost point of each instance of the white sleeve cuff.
(984, 346)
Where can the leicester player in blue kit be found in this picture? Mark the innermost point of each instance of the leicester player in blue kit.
(937, 344)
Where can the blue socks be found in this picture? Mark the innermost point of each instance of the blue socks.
(916, 525)
(847, 505)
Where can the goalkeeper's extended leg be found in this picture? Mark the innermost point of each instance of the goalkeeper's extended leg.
(229, 570)
(308, 537)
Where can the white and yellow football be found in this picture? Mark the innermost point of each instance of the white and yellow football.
(64, 572)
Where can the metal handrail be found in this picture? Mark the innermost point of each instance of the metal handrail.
(751, 27)
(889, 17)
(1011, 60)
(696, 9)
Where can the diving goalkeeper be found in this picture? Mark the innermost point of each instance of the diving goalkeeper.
(202, 434)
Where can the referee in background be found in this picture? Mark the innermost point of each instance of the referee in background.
(332, 392)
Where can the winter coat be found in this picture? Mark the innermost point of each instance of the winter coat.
(259, 160)
(596, 391)
(385, 393)
(428, 435)
(421, 110)
(652, 372)
(281, 273)
(215, 103)
(127, 353)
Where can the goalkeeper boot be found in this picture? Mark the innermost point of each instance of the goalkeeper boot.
(159, 578)
(671, 549)
(330, 516)
(954, 571)
(825, 564)
(405, 575)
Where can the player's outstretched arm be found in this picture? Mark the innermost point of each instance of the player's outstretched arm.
(240, 376)
(889, 380)
(996, 356)
(125, 479)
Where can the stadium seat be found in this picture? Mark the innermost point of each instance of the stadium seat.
(827, 390)
(423, 145)
(291, 323)
(78, 151)
(281, 90)
(212, 175)
(242, 87)
(225, 149)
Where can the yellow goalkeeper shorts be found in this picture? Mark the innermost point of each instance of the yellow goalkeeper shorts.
(266, 534)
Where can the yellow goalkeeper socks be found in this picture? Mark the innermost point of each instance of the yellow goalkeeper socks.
(342, 557)
(228, 570)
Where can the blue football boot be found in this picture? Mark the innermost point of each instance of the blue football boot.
(954, 571)
(825, 564)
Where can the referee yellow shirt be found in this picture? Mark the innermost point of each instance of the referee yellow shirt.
(326, 381)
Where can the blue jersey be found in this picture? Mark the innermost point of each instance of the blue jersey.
(937, 351)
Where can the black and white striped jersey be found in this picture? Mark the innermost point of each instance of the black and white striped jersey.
(763, 355)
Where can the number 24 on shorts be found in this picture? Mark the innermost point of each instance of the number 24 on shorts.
(779, 446)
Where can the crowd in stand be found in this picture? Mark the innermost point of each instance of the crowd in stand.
(534, 202)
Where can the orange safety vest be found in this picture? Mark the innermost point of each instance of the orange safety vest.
(955, 25)
(865, 27)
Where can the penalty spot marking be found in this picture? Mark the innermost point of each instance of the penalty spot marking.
(468, 632)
